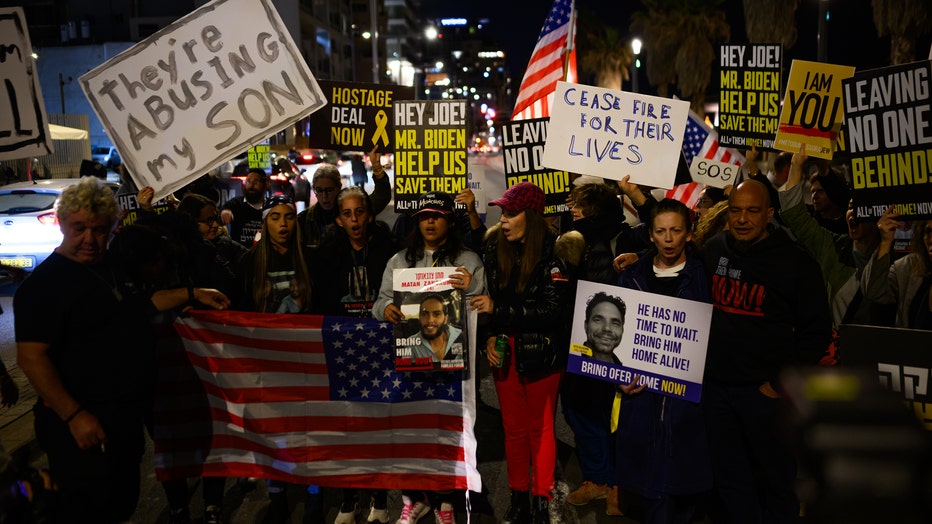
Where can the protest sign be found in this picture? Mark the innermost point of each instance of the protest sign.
(24, 130)
(889, 140)
(358, 117)
(662, 340)
(432, 334)
(129, 207)
(610, 134)
(201, 91)
(812, 110)
(900, 358)
(749, 107)
(430, 149)
(259, 156)
(523, 146)
(713, 173)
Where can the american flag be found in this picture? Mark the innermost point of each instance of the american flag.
(545, 68)
(700, 140)
(310, 400)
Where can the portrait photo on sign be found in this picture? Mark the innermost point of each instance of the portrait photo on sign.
(432, 335)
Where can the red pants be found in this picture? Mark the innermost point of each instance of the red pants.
(528, 411)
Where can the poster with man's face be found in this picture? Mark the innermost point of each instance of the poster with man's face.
(622, 335)
(432, 334)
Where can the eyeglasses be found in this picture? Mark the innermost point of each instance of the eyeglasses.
(704, 202)
(324, 190)
(210, 220)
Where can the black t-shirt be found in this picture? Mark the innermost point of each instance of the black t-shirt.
(280, 284)
(100, 340)
(247, 221)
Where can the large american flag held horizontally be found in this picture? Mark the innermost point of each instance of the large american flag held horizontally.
(700, 140)
(546, 66)
(310, 400)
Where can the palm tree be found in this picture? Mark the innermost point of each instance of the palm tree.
(904, 21)
(771, 22)
(681, 37)
(602, 54)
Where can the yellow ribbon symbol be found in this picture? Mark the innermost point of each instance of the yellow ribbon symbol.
(381, 120)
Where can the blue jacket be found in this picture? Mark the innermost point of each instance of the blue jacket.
(662, 446)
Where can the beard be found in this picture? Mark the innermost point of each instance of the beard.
(440, 331)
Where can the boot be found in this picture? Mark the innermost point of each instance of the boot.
(519, 512)
(541, 510)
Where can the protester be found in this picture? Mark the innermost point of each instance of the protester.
(436, 242)
(325, 184)
(360, 175)
(708, 197)
(528, 300)
(710, 223)
(220, 252)
(347, 268)
(276, 279)
(906, 282)
(93, 393)
(663, 454)
(243, 214)
(830, 196)
(468, 220)
(779, 318)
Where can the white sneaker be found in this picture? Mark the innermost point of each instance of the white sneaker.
(378, 515)
(346, 517)
(412, 512)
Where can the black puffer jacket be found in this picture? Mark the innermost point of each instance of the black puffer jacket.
(537, 314)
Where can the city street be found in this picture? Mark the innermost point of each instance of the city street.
(246, 502)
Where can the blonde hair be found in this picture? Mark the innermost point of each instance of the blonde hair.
(712, 221)
(90, 194)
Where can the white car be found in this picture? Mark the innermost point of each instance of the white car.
(108, 156)
(29, 229)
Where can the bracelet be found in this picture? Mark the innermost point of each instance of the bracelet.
(190, 294)
(75, 414)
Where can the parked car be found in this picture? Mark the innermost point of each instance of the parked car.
(107, 156)
(29, 229)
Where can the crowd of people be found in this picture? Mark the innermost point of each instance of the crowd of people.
(780, 273)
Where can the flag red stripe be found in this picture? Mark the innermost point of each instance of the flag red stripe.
(267, 394)
(255, 365)
(259, 320)
(208, 336)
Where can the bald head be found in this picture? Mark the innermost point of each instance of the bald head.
(749, 211)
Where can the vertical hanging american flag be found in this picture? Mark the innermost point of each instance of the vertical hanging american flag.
(700, 140)
(546, 66)
(310, 400)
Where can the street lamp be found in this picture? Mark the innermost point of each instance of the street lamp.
(636, 49)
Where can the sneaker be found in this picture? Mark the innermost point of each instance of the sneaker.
(212, 515)
(444, 516)
(379, 515)
(347, 515)
(613, 503)
(412, 512)
(588, 492)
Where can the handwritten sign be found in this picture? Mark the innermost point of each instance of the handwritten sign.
(432, 335)
(663, 339)
(749, 107)
(359, 116)
(201, 91)
(523, 146)
(888, 120)
(712, 172)
(610, 134)
(24, 130)
(812, 110)
(430, 149)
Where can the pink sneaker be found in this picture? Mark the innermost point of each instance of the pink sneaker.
(444, 516)
(412, 512)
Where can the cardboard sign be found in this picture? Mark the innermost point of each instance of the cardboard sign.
(661, 339)
(432, 335)
(888, 120)
(430, 149)
(523, 146)
(24, 130)
(712, 172)
(610, 134)
(812, 109)
(359, 116)
(201, 91)
(258, 156)
(749, 107)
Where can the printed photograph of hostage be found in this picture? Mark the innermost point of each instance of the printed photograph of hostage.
(438, 343)
(604, 326)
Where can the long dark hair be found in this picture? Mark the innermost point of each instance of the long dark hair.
(260, 265)
(447, 252)
(536, 232)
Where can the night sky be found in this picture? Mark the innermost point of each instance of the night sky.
(852, 37)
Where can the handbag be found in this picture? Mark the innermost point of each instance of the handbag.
(535, 354)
